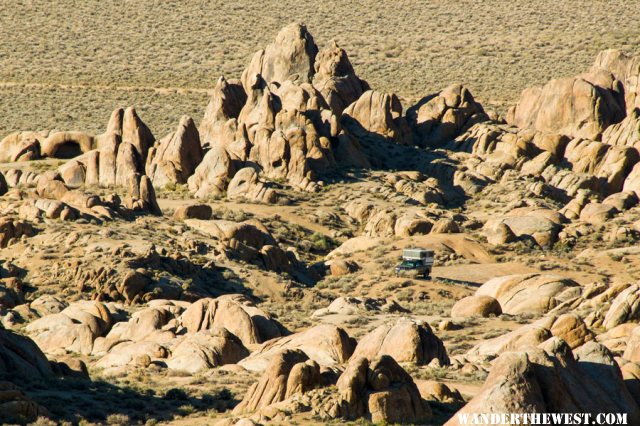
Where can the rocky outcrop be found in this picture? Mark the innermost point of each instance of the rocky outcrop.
(327, 345)
(476, 306)
(359, 305)
(74, 329)
(67, 144)
(234, 313)
(377, 116)
(193, 211)
(212, 176)
(608, 164)
(336, 80)
(224, 107)
(13, 230)
(624, 308)
(135, 132)
(249, 241)
(290, 57)
(246, 184)
(378, 390)
(626, 69)
(541, 225)
(288, 145)
(175, 157)
(142, 196)
(16, 407)
(114, 157)
(206, 349)
(405, 341)
(553, 381)
(21, 146)
(529, 293)
(21, 357)
(625, 133)
(581, 107)
(288, 373)
(441, 118)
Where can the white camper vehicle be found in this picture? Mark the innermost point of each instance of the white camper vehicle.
(415, 262)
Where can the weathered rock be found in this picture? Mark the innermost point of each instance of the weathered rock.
(128, 164)
(498, 232)
(445, 226)
(136, 133)
(541, 225)
(529, 293)
(336, 80)
(289, 372)
(73, 173)
(405, 341)
(632, 351)
(175, 158)
(552, 382)
(21, 146)
(249, 241)
(107, 161)
(597, 213)
(290, 57)
(235, 313)
(625, 133)
(67, 144)
(609, 165)
(150, 324)
(142, 196)
(358, 305)
(622, 201)
(206, 349)
(246, 184)
(288, 145)
(624, 308)
(16, 406)
(20, 356)
(128, 354)
(437, 391)
(193, 211)
(74, 329)
(212, 176)
(226, 102)
(377, 116)
(580, 106)
(571, 329)
(13, 230)
(325, 344)
(379, 390)
(441, 118)
(476, 306)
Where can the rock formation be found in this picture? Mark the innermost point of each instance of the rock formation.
(175, 157)
(405, 341)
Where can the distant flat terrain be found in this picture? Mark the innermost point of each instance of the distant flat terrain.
(67, 64)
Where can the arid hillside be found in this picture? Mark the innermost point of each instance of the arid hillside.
(68, 64)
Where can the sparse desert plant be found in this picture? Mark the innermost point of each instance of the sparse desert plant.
(176, 394)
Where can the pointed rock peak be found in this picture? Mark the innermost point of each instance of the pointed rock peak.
(290, 57)
(613, 60)
(136, 132)
(115, 122)
(187, 122)
(333, 61)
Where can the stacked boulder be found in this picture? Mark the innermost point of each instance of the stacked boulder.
(118, 154)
